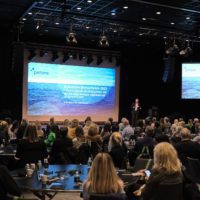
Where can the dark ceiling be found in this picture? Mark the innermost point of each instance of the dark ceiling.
(89, 19)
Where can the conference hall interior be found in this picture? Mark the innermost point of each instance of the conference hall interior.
(100, 100)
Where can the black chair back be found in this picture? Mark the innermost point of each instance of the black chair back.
(142, 163)
(194, 168)
(106, 197)
(169, 191)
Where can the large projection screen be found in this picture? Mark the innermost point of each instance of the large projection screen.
(190, 88)
(68, 91)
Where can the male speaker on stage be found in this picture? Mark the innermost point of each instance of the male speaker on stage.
(135, 111)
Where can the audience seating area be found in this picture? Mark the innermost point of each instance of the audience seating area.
(79, 147)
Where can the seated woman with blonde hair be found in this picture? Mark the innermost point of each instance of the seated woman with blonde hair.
(166, 172)
(116, 150)
(102, 178)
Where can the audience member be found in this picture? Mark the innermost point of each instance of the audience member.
(166, 171)
(128, 131)
(60, 153)
(187, 148)
(21, 132)
(74, 125)
(94, 140)
(146, 141)
(40, 132)
(80, 138)
(7, 185)
(105, 134)
(13, 129)
(4, 137)
(102, 178)
(30, 149)
(117, 151)
(52, 135)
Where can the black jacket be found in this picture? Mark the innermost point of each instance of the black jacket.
(158, 178)
(188, 148)
(118, 156)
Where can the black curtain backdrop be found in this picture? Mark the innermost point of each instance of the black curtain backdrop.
(142, 68)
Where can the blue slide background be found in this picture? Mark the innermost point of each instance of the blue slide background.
(55, 89)
(191, 81)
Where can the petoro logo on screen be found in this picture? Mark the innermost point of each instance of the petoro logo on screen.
(39, 72)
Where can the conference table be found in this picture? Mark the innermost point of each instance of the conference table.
(61, 178)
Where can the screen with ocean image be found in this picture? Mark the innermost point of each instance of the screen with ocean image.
(190, 81)
(70, 90)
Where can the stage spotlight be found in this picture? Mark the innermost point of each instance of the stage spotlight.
(71, 39)
(32, 54)
(38, 25)
(110, 59)
(186, 50)
(99, 60)
(89, 59)
(172, 50)
(80, 56)
(117, 61)
(74, 56)
(65, 57)
(103, 42)
(42, 53)
(54, 56)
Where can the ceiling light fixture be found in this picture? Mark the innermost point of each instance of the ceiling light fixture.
(71, 39)
(173, 49)
(186, 50)
(144, 19)
(158, 13)
(103, 42)
(38, 25)
(125, 7)
(89, 1)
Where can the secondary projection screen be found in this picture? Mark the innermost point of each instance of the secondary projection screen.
(190, 81)
(69, 91)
